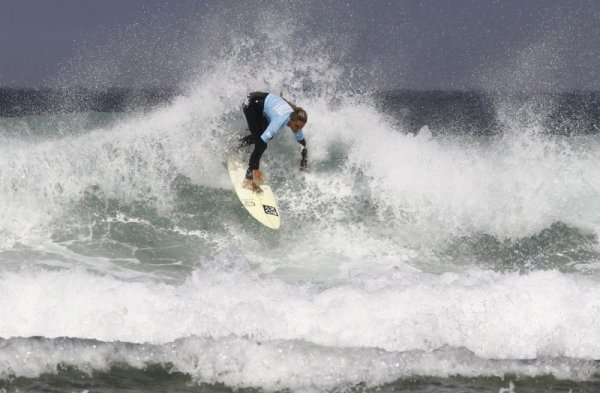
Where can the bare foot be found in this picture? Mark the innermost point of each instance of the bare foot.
(252, 186)
(258, 177)
(248, 184)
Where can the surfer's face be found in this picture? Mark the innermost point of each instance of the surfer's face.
(296, 125)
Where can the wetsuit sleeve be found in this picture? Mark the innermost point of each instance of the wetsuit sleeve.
(273, 129)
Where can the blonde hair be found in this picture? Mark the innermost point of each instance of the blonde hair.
(298, 114)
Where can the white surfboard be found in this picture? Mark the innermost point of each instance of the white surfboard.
(261, 205)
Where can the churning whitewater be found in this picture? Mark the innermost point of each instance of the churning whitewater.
(403, 252)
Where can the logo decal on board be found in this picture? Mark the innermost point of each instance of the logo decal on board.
(270, 210)
(249, 202)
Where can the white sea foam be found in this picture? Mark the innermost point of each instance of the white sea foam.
(512, 186)
(244, 329)
(501, 316)
(270, 365)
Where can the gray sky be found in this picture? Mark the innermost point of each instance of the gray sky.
(436, 44)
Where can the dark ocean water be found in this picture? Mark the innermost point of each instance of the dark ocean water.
(475, 112)
(18, 102)
(463, 112)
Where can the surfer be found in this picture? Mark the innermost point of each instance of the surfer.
(267, 114)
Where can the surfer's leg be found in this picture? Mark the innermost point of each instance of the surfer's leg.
(253, 110)
(256, 122)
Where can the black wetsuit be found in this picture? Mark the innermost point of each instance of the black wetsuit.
(254, 110)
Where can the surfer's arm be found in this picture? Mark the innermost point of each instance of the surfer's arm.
(304, 154)
(273, 128)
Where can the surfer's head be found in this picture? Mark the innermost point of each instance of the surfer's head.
(298, 119)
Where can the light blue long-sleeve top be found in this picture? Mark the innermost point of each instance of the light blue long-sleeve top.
(277, 111)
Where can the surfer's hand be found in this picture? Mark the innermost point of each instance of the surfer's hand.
(303, 168)
(304, 160)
